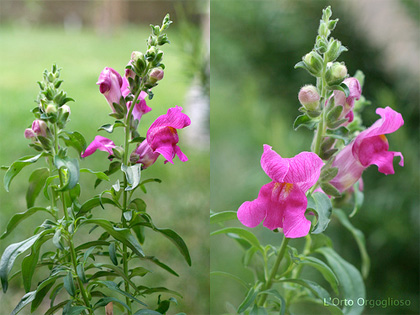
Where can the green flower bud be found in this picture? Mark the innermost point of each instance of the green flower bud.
(336, 74)
(313, 62)
(309, 97)
(334, 50)
(51, 109)
(151, 53)
(138, 62)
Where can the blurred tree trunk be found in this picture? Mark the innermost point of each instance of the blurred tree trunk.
(109, 15)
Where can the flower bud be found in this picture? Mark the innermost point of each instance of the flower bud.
(144, 154)
(138, 61)
(51, 109)
(39, 127)
(156, 75)
(313, 62)
(309, 97)
(65, 109)
(336, 74)
(129, 73)
(334, 50)
(29, 133)
(151, 53)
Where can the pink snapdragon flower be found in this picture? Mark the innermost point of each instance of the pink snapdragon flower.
(282, 202)
(370, 147)
(38, 128)
(163, 137)
(355, 91)
(144, 154)
(141, 106)
(99, 143)
(110, 83)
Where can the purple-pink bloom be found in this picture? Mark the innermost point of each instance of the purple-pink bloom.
(99, 143)
(282, 202)
(370, 147)
(163, 137)
(355, 91)
(29, 133)
(110, 83)
(146, 156)
(39, 127)
(141, 106)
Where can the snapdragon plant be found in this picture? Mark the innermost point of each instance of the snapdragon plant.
(104, 271)
(309, 190)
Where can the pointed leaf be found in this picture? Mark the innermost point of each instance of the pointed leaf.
(351, 284)
(243, 234)
(323, 268)
(249, 299)
(17, 166)
(69, 284)
(133, 175)
(36, 182)
(18, 217)
(321, 204)
(94, 202)
(114, 287)
(71, 171)
(223, 216)
(360, 240)
(304, 121)
(75, 140)
(26, 299)
(99, 175)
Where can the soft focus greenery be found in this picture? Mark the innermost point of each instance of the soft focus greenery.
(254, 46)
(179, 202)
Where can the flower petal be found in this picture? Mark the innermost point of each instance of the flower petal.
(304, 170)
(273, 164)
(110, 83)
(251, 213)
(173, 118)
(99, 143)
(295, 223)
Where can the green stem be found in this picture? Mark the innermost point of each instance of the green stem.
(69, 235)
(269, 283)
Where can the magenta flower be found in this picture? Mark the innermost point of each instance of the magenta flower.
(355, 91)
(39, 127)
(370, 147)
(282, 203)
(141, 106)
(110, 83)
(163, 137)
(99, 143)
(145, 154)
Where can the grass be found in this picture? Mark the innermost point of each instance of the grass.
(180, 202)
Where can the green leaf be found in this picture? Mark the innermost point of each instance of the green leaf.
(116, 271)
(53, 309)
(133, 175)
(223, 216)
(321, 204)
(69, 284)
(113, 254)
(304, 121)
(29, 263)
(351, 284)
(75, 140)
(26, 299)
(256, 310)
(149, 291)
(93, 203)
(243, 234)
(113, 167)
(358, 199)
(330, 189)
(231, 276)
(19, 217)
(277, 295)
(42, 291)
(104, 301)
(157, 262)
(341, 133)
(70, 169)
(76, 310)
(114, 287)
(122, 235)
(249, 299)
(313, 287)
(81, 273)
(323, 268)
(328, 174)
(47, 184)
(360, 240)
(36, 182)
(110, 127)
(138, 271)
(320, 240)
(99, 175)
(9, 256)
(147, 312)
(17, 166)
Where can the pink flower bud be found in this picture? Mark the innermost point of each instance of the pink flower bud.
(29, 133)
(110, 83)
(65, 109)
(145, 155)
(156, 75)
(309, 97)
(39, 127)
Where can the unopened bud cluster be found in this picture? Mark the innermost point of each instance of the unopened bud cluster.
(147, 68)
(51, 110)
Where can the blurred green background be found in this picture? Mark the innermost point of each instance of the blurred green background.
(83, 37)
(254, 87)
